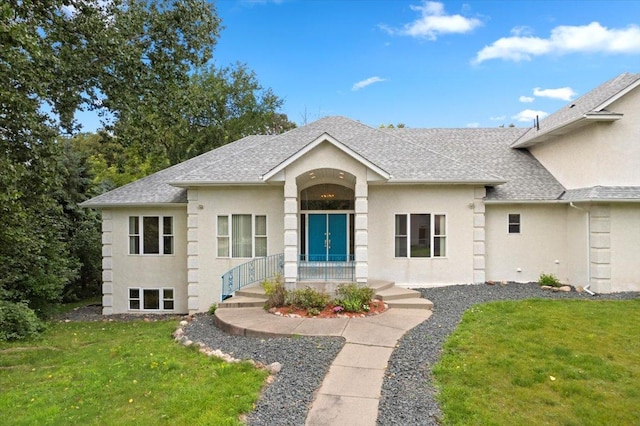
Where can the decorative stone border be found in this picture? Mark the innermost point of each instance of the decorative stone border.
(179, 336)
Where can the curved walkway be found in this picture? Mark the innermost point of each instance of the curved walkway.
(350, 392)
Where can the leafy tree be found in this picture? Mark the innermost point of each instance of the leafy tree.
(217, 106)
(59, 56)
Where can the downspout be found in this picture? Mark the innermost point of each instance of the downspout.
(588, 227)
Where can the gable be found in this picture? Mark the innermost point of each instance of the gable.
(593, 107)
(325, 151)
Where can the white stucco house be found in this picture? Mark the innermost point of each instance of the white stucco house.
(338, 200)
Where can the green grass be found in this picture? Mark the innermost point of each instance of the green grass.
(543, 362)
(117, 373)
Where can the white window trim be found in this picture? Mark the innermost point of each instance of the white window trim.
(253, 234)
(161, 236)
(432, 216)
(161, 300)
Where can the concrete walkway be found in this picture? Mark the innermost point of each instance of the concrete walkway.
(350, 392)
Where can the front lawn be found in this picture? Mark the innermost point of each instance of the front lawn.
(543, 362)
(111, 373)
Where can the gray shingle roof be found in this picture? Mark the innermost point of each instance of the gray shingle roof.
(590, 103)
(480, 156)
(155, 189)
(526, 178)
(603, 193)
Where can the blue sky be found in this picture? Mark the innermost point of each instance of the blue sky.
(429, 64)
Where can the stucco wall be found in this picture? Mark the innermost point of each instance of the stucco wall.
(523, 257)
(577, 245)
(145, 271)
(213, 201)
(604, 154)
(385, 201)
(625, 247)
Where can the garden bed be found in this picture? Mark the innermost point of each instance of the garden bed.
(329, 311)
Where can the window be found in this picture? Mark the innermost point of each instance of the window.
(514, 223)
(151, 299)
(261, 236)
(420, 235)
(246, 237)
(155, 236)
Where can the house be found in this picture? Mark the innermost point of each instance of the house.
(336, 200)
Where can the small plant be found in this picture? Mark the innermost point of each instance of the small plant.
(549, 280)
(275, 291)
(308, 298)
(353, 298)
(212, 309)
(313, 312)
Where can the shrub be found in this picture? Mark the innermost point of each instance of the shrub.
(212, 309)
(549, 280)
(18, 321)
(276, 293)
(353, 298)
(308, 298)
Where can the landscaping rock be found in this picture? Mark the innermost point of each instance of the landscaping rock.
(565, 288)
(274, 367)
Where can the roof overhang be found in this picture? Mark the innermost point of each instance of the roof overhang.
(130, 205)
(197, 183)
(562, 129)
(325, 138)
(444, 182)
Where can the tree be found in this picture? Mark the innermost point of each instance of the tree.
(215, 107)
(59, 56)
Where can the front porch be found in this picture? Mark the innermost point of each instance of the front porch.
(254, 296)
(321, 274)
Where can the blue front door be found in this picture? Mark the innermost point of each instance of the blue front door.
(328, 237)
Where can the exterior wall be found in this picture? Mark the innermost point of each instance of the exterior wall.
(540, 247)
(457, 202)
(205, 204)
(122, 270)
(625, 247)
(605, 154)
(578, 245)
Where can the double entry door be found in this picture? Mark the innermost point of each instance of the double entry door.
(327, 237)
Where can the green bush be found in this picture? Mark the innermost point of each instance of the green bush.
(276, 293)
(308, 298)
(549, 280)
(18, 321)
(353, 298)
(212, 308)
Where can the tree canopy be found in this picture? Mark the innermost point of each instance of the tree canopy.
(145, 67)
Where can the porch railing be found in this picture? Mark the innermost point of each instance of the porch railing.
(250, 272)
(333, 267)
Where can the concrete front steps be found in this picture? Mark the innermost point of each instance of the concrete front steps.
(386, 291)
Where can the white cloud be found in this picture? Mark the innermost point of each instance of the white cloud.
(364, 83)
(562, 93)
(564, 39)
(473, 125)
(433, 22)
(529, 115)
(521, 31)
(498, 118)
(526, 99)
